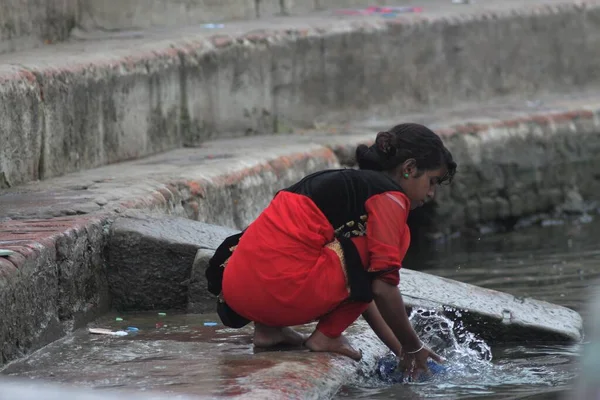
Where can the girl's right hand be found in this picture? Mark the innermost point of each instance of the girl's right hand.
(416, 363)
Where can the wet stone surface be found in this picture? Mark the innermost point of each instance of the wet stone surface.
(182, 354)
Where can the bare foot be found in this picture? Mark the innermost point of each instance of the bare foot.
(319, 342)
(268, 336)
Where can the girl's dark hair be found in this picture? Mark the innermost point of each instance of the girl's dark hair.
(403, 142)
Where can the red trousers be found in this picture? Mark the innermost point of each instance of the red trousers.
(283, 274)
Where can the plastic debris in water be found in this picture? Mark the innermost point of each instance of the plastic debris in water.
(388, 371)
(102, 331)
(213, 26)
(132, 329)
(210, 324)
(6, 252)
(162, 314)
(119, 319)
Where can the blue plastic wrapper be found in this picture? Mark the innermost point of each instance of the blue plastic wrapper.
(387, 370)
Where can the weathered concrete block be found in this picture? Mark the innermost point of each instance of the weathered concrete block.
(104, 113)
(29, 300)
(82, 282)
(494, 316)
(298, 101)
(53, 283)
(150, 259)
(21, 127)
(226, 90)
(32, 23)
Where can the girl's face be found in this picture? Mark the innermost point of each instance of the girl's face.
(420, 186)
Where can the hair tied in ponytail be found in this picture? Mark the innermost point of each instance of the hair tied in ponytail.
(368, 158)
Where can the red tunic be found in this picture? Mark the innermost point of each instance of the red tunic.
(289, 267)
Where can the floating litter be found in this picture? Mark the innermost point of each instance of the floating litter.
(210, 324)
(118, 319)
(132, 329)
(162, 314)
(6, 252)
(102, 331)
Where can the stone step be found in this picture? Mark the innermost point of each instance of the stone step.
(102, 100)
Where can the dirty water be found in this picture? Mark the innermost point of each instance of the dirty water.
(190, 354)
(558, 263)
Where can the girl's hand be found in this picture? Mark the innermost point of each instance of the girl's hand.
(416, 363)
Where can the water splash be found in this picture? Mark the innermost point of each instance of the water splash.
(470, 365)
(450, 339)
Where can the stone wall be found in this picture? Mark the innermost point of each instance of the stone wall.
(521, 167)
(145, 96)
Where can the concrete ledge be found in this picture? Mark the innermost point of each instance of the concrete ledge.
(181, 87)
